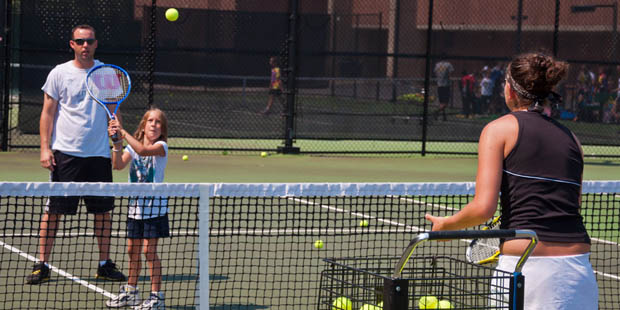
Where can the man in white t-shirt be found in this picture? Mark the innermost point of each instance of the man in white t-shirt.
(75, 148)
(443, 69)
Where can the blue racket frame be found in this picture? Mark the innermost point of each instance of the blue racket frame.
(105, 103)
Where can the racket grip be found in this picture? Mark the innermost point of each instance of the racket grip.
(115, 137)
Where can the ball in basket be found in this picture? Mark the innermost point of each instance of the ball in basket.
(342, 303)
(428, 302)
(445, 304)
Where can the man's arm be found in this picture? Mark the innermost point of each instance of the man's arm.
(50, 107)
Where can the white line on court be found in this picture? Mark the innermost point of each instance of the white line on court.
(607, 275)
(455, 209)
(418, 229)
(59, 271)
(66, 274)
(180, 232)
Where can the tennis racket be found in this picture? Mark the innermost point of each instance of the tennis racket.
(108, 85)
(484, 251)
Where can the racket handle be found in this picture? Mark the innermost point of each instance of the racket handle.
(471, 234)
(115, 137)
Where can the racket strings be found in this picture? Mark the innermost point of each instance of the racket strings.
(483, 249)
(108, 84)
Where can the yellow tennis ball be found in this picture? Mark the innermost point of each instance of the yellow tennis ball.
(172, 14)
(263, 154)
(445, 304)
(318, 244)
(364, 223)
(428, 302)
(370, 307)
(185, 157)
(342, 303)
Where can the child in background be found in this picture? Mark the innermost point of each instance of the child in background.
(275, 85)
(147, 151)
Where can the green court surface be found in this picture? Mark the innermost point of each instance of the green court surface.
(261, 250)
(201, 168)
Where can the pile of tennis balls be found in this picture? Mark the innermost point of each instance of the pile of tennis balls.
(431, 302)
(343, 303)
(425, 302)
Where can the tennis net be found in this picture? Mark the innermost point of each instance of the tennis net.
(253, 244)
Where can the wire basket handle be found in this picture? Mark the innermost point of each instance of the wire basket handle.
(469, 234)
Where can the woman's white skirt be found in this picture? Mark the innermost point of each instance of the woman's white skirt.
(554, 282)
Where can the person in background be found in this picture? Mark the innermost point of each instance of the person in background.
(443, 70)
(275, 84)
(468, 85)
(486, 93)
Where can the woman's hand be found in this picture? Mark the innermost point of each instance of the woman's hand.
(438, 222)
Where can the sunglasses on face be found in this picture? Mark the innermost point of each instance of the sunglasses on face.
(81, 41)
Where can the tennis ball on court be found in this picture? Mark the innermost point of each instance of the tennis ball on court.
(364, 223)
(445, 304)
(263, 154)
(172, 14)
(224, 152)
(428, 302)
(185, 157)
(342, 303)
(318, 244)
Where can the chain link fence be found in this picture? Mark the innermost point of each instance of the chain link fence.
(357, 76)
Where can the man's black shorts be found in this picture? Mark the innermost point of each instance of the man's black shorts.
(80, 169)
(443, 92)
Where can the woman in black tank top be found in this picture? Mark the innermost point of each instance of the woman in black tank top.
(537, 164)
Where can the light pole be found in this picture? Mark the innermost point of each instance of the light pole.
(592, 8)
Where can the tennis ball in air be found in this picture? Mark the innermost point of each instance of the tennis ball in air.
(342, 303)
(364, 223)
(185, 157)
(445, 304)
(172, 14)
(263, 154)
(428, 302)
(318, 244)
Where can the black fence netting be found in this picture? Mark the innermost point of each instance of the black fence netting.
(355, 76)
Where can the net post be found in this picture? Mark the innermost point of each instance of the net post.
(395, 294)
(202, 287)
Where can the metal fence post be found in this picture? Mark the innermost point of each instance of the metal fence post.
(427, 75)
(152, 46)
(7, 75)
(291, 90)
(519, 27)
(556, 28)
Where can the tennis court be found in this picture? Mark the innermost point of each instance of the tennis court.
(261, 241)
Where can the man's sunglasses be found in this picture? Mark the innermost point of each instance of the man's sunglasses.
(81, 41)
